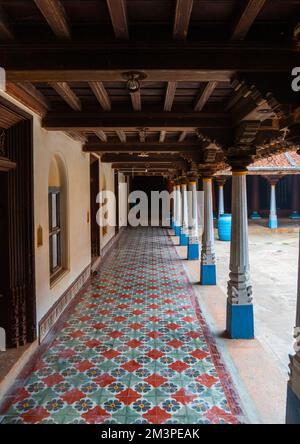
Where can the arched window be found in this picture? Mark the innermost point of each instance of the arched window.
(57, 196)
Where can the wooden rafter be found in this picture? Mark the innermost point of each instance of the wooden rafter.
(77, 136)
(136, 100)
(182, 136)
(63, 89)
(6, 32)
(54, 13)
(205, 95)
(29, 96)
(101, 95)
(101, 134)
(170, 95)
(137, 147)
(162, 136)
(121, 135)
(247, 18)
(182, 19)
(118, 14)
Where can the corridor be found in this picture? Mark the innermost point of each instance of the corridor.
(134, 349)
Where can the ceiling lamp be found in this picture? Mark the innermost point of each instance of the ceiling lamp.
(133, 80)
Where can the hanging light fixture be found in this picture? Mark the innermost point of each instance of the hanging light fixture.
(133, 80)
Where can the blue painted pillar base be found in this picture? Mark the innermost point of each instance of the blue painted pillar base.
(292, 407)
(177, 230)
(184, 240)
(240, 321)
(255, 216)
(295, 215)
(193, 252)
(273, 223)
(208, 275)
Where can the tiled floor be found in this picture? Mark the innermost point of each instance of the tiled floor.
(134, 350)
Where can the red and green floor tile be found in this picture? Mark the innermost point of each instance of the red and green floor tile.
(135, 349)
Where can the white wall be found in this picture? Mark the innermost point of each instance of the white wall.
(123, 198)
(46, 145)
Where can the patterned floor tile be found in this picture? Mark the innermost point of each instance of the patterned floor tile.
(134, 350)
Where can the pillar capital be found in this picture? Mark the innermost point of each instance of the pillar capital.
(221, 180)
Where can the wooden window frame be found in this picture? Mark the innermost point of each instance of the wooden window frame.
(55, 271)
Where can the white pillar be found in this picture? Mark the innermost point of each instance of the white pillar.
(173, 221)
(273, 223)
(240, 323)
(208, 267)
(293, 393)
(193, 246)
(221, 199)
(185, 220)
(178, 222)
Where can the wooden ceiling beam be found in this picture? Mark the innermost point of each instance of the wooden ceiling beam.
(160, 121)
(101, 135)
(29, 96)
(134, 159)
(182, 136)
(118, 14)
(136, 100)
(6, 32)
(101, 95)
(54, 13)
(137, 147)
(122, 136)
(162, 136)
(247, 18)
(115, 75)
(183, 13)
(77, 136)
(170, 96)
(63, 89)
(205, 95)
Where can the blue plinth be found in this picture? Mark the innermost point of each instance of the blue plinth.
(295, 215)
(208, 275)
(255, 216)
(292, 407)
(184, 240)
(224, 227)
(240, 321)
(193, 252)
(273, 223)
(177, 230)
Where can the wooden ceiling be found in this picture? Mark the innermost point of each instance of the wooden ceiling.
(213, 73)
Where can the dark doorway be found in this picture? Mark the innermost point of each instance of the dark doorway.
(148, 184)
(17, 281)
(94, 190)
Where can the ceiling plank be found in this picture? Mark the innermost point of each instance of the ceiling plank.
(162, 136)
(205, 95)
(28, 96)
(54, 13)
(118, 14)
(6, 32)
(101, 134)
(182, 136)
(63, 89)
(34, 92)
(182, 19)
(121, 135)
(247, 18)
(101, 95)
(170, 96)
(136, 100)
